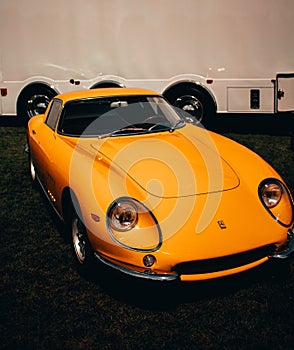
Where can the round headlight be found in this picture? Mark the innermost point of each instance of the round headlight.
(277, 199)
(132, 225)
(271, 194)
(123, 216)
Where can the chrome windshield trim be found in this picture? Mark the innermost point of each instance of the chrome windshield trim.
(139, 272)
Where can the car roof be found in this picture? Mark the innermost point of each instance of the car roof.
(102, 92)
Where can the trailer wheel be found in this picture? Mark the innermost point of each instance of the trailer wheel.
(34, 100)
(197, 103)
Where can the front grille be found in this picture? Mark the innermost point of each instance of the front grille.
(223, 263)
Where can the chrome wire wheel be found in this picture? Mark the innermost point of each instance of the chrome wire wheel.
(79, 239)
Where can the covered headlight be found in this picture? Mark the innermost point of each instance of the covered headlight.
(132, 225)
(277, 200)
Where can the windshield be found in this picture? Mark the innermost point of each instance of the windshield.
(117, 116)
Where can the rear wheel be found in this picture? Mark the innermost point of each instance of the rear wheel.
(32, 169)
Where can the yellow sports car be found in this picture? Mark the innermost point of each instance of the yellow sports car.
(153, 196)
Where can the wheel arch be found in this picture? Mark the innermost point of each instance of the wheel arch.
(68, 202)
(107, 84)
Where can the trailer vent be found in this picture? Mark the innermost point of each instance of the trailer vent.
(255, 99)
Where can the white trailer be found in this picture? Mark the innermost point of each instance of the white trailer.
(229, 56)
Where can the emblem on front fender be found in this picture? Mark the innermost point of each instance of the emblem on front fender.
(222, 224)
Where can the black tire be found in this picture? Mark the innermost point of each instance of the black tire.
(34, 100)
(81, 246)
(198, 104)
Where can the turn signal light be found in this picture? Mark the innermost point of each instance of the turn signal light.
(149, 260)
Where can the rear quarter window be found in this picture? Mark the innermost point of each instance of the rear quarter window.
(54, 114)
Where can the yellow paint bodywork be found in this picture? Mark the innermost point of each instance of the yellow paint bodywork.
(201, 188)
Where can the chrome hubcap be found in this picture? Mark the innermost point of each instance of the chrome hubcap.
(32, 170)
(78, 237)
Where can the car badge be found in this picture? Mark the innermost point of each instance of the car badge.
(222, 224)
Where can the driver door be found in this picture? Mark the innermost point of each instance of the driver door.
(47, 146)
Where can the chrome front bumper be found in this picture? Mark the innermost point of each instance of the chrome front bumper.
(139, 272)
(154, 275)
(289, 247)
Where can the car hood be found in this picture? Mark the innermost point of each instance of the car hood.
(169, 165)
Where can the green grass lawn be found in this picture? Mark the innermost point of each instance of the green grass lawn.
(45, 304)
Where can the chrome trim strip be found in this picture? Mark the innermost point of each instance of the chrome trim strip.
(289, 247)
(139, 273)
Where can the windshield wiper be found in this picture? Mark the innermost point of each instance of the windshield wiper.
(139, 128)
(114, 132)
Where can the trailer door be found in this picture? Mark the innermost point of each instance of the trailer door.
(285, 92)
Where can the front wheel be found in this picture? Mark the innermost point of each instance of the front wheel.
(82, 249)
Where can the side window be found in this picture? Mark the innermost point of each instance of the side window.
(53, 114)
